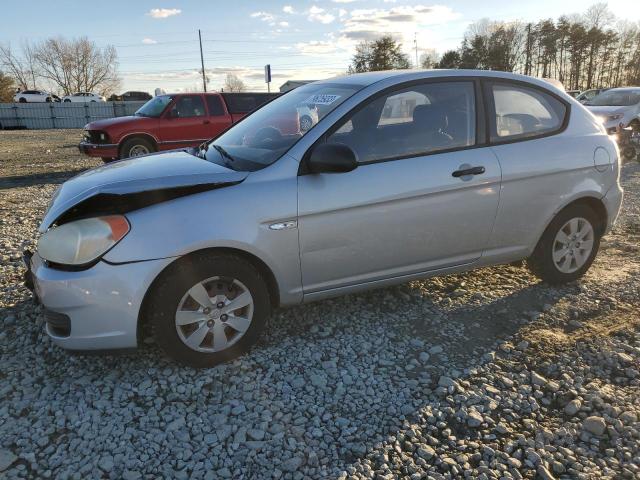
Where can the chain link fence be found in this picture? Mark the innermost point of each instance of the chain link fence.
(61, 115)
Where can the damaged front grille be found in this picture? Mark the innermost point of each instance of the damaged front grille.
(95, 136)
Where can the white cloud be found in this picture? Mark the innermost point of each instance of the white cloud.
(264, 16)
(344, 1)
(283, 24)
(164, 12)
(317, 14)
(401, 22)
(149, 41)
(288, 9)
(342, 12)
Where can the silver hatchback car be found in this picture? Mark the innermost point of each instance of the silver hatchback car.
(402, 175)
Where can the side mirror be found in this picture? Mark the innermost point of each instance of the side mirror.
(332, 158)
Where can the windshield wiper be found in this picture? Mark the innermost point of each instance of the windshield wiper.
(223, 152)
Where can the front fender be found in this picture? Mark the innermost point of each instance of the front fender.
(235, 217)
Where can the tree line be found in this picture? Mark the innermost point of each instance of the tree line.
(592, 50)
(60, 64)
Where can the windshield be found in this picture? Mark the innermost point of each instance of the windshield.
(262, 138)
(154, 107)
(619, 98)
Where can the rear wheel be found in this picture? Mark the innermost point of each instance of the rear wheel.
(22, 100)
(209, 308)
(568, 246)
(134, 147)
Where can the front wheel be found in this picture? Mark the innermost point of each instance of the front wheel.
(568, 246)
(208, 308)
(134, 147)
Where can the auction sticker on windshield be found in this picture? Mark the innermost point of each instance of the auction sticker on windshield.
(322, 99)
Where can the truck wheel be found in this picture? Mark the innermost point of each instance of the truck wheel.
(568, 246)
(22, 100)
(208, 308)
(134, 147)
(66, 100)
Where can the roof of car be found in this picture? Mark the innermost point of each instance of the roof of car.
(625, 89)
(370, 78)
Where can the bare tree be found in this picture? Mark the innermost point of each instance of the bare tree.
(21, 67)
(7, 88)
(233, 83)
(429, 58)
(77, 65)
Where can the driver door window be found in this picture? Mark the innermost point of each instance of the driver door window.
(414, 121)
(188, 107)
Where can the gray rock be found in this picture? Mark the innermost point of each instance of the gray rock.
(292, 464)
(595, 425)
(106, 463)
(6, 459)
(573, 407)
(474, 419)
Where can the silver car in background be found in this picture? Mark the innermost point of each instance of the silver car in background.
(404, 175)
(617, 107)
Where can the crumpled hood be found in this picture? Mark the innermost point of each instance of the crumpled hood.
(163, 172)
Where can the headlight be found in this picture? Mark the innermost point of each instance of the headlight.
(615, 116)
(83, 241)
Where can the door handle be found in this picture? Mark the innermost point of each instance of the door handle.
(206, 122)
(468, 171)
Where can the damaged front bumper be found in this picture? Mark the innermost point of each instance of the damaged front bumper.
(102, 150)
(96, 308)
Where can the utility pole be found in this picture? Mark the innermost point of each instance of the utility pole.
(204, 77)
(415, 43)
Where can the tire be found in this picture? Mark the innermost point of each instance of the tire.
(47, 100)
(542, 262)
(137, 144)
(22, 100)
(66, 100)
(170, 295)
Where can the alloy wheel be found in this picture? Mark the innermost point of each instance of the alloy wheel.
(214, 314)
(572, 245)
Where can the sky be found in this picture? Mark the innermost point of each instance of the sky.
(157, 40)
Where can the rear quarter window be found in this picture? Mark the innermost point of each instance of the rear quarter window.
(246, 102)
(522, 112)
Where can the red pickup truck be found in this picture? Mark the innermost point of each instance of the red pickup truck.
(167, 122)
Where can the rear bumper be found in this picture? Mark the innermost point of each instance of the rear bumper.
(612, 202)
(99, 149)
(93, 309)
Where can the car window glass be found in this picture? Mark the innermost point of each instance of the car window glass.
(189, 106)
(215, 105)
(420, 119)
(524, 112)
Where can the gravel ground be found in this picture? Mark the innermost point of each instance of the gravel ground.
(489, 374)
